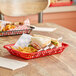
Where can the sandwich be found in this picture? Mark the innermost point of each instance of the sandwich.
(55, 42)
(40, 41)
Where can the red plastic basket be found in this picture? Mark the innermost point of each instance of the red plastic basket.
(61, 4)
(36, 54)
(16, 32)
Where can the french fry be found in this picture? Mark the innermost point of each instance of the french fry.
(13, 48)
(26, 49)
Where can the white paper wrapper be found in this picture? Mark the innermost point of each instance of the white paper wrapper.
(44, 29)
(11, 64)
(23, 41)
(27, 22)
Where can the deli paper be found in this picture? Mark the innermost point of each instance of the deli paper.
(44, 29)
(23, 41)
(11, 64)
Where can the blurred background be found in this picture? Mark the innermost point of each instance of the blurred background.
(61, 12)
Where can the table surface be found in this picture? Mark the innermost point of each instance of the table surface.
(63, 64)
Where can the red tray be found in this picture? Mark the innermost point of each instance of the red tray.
(61, 4)
(36, 54)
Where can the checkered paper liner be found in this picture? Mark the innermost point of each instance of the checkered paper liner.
(15, 32)
(23, 27)
(18, 30)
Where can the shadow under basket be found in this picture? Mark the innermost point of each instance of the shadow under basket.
(36, 54)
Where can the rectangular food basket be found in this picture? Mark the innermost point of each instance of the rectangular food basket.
(36, 54)
(61, 4)
(16, 32)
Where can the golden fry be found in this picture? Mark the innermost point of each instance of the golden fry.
(8, 27)
(13, 48)
(4, 29)
(13, 26)
(26, 49)
(20, 48)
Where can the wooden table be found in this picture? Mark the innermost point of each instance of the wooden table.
(56, 65)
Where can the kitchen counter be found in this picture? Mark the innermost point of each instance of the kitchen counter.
(60, 9)
(63, 64)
